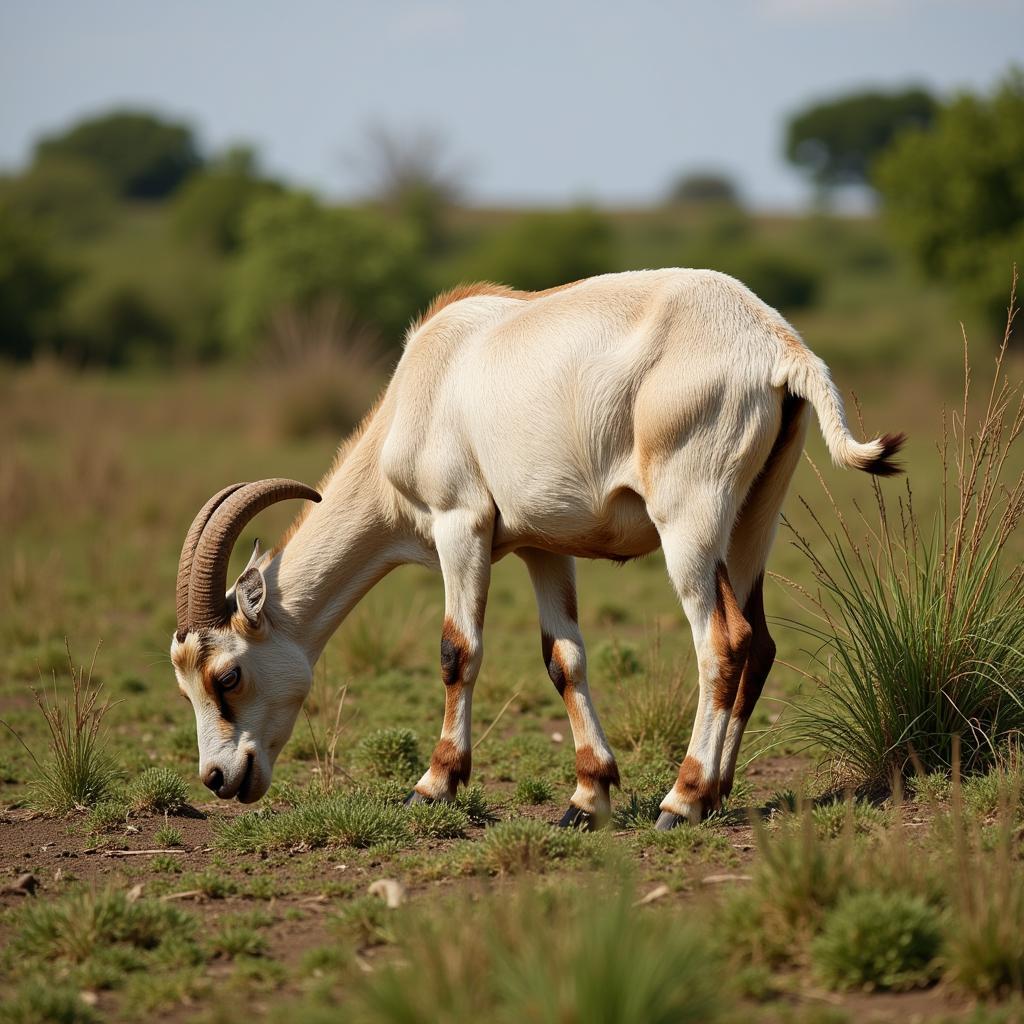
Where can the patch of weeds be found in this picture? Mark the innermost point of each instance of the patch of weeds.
(80, 771)
(930, 789)
(168, 836)
(103, 935)
(534, 791)
(211, 883)
(390, 754)
(108, 816)
(875, 940)
(653, 712)
(166, 864)
(474, 802)
(541, 955)
(860, 816)
(639, 811)
(440, 820)
(349, 820)
(163, 989)
(703, 840)
(234, 938)
(158, 790)
(525, 844)
(45, 1002)
(367, 921)
(618, 660)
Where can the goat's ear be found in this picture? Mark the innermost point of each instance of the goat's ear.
(251, 593)
(254, 558)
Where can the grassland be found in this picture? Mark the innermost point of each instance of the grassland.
(500, 915)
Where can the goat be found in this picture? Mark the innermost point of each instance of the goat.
(602, 419)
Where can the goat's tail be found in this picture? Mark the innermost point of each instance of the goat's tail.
(807, 376)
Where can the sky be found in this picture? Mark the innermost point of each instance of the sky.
(536, 102)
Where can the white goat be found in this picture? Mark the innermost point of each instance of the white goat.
(597, 420)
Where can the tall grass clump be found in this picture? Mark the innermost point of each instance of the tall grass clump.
(548, 958)
(80, 771)
(922, 622)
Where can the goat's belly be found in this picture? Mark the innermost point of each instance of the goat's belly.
(619, 530)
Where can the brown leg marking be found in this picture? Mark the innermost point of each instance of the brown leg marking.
(450, 763)
(590, 771)
(694, 788)
(454, 653)
(730, 637)
(555, 665)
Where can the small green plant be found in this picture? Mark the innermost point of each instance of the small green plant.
(831, 819)
(474, 802)
(45, 1002)
(390, 754)
(534, 791)
(108, 815)
(80, 771)
(440, 820)
(618, 660)
(368, 921)
(168, 836)
(158, 790)
(103, 934)
(347, 820)
(235, 938)
(545, 956)
(525, 844)
(876, 940)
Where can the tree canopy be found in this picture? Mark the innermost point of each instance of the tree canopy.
(141, 155)
(836, 142)
(954, 193)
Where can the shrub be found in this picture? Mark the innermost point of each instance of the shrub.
(533, 791)
(390, 754)
(546, 957)
(923, 635)
(440, 820)
(348, 820)
(878, 940)
(79, 772)
(159, 790)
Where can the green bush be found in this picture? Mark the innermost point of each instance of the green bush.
(390, 754)
(533, 791)
(159, 790)
(45, 1002)
(547, 958)
(440, 820)
(541, 250)
(876, 940)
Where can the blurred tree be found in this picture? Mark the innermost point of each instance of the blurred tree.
(955, 194)
(836, 142)
(296, 254)
(212, 204)
(139, 154)
(704, 188)
(61, 197)
(32, 283)
(412, 175)
(541, 250)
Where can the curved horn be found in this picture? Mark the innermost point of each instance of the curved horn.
(188, 550)
(208, 583)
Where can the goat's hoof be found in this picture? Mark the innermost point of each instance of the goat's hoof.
(579, 819)
(668, 821)
(416, 798)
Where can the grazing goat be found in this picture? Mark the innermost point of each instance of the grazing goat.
(602, 419)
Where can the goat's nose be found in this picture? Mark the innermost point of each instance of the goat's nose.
(213, 779)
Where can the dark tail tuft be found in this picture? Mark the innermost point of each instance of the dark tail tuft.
(882, 464)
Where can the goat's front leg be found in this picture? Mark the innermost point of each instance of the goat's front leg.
(463, 542)
(554, 581)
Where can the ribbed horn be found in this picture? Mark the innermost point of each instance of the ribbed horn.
(209, 577)
(188, 550)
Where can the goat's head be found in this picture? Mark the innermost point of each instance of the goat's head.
(245, 679)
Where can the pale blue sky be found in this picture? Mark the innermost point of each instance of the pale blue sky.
(544, 101)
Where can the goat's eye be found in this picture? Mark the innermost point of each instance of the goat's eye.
(229, 680)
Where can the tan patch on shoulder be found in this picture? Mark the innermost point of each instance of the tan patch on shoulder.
(477, 289)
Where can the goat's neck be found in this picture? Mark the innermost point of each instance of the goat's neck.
(345, 545)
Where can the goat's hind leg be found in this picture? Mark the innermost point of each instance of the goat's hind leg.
(721, 637)
(554, 582)
(463, 542)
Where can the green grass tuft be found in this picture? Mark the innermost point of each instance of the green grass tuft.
(525, 844)
(440, 820)
(390, 754)
(534, 791)
(158, 790)
(876, 940)
(45, 1002)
